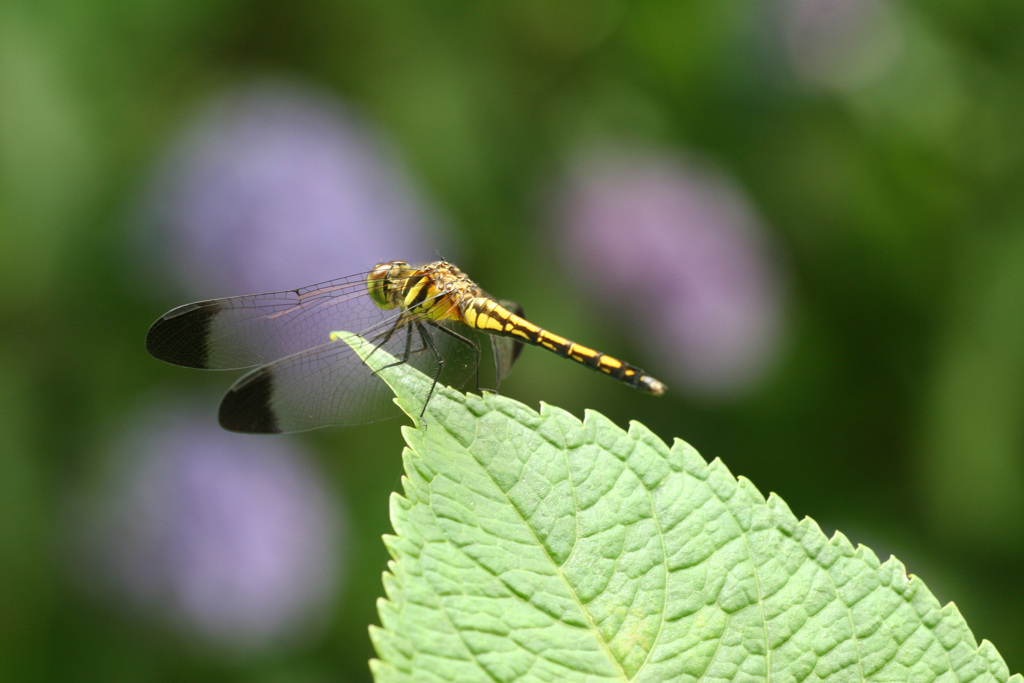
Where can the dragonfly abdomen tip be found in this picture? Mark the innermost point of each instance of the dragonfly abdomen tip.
(652, 386)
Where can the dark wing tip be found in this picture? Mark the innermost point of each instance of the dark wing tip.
(247, 406)
(181, 336)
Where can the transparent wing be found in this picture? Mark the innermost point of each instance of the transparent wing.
(245, 331)
(330, 385)
(304, 380)
(506, 349)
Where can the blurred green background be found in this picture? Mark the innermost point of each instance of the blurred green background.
(806, 217)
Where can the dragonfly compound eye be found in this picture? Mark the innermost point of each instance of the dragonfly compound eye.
(379, 282)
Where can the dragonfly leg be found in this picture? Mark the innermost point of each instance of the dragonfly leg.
(468, 342)
(387, 336)
(406, 354)
(429, 343)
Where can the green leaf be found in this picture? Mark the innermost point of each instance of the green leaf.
(531, 546)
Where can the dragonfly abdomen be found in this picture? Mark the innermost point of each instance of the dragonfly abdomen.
(488, 315)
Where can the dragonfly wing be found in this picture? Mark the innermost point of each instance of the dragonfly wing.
(245, 331)
(331, 385)
(506, 349)
(325, 385)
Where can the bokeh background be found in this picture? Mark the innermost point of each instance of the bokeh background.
(805, 216)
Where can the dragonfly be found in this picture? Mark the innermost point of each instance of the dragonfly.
(303, 377)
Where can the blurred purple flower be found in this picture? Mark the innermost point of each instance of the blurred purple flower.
(676, 249)
(840, 43)
(233, 538)
(276, 186)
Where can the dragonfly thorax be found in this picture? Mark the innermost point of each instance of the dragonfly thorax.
(437, 290)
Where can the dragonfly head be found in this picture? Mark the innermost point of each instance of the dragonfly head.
(382, 282)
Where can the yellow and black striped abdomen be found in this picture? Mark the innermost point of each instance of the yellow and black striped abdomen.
(486, 314)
